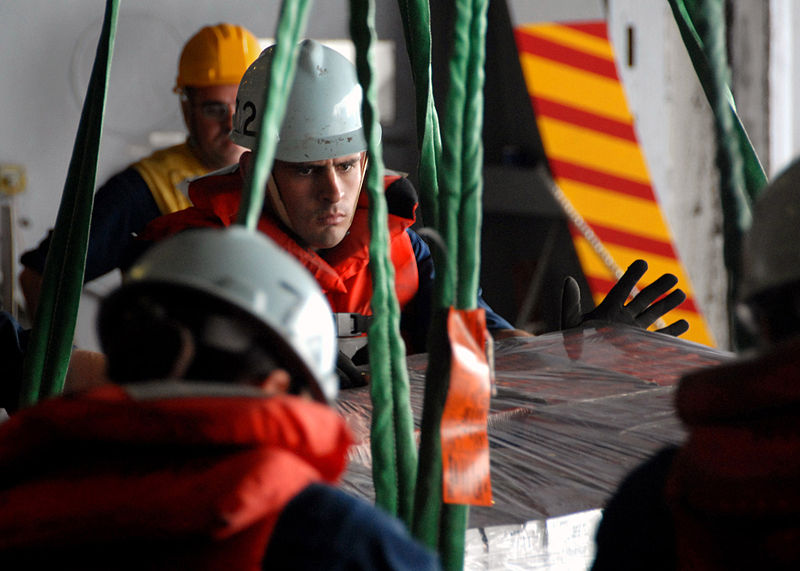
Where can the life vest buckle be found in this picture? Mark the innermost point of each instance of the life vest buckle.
(352, 324)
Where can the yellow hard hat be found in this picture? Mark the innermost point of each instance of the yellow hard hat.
(216, 55)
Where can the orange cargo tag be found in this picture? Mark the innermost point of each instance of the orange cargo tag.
(465, 440)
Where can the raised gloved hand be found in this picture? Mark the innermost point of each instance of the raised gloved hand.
(640, 311)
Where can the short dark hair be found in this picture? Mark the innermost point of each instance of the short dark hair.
(141, 329)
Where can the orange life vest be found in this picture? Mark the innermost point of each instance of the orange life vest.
(342, 271)
(191, 482)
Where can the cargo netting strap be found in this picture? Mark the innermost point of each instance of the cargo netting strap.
(428, 489)
(417, 27)
(394, 453)
(470, 215)
(291, 25)
(702, 27)
(50, 347)
(456, 163)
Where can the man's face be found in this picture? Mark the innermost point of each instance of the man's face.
(320, 197)
(208, 112)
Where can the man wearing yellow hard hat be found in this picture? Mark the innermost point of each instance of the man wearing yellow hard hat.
(211, 65)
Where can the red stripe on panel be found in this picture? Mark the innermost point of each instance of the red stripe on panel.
(571, 57)
(575, 116)
(585, 175)
(595, 28)
(634, 241)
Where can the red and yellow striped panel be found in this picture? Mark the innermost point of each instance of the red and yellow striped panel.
(589, 138)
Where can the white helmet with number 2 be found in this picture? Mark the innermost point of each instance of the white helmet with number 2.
(323, 114)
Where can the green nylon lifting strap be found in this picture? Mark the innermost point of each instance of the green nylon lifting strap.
(472, 162)
(394, 456)
(417, 27)
(454, 517)
(291, 25)
(459, 168)
(685, 14)
(50, 347)
(451, 520)
(428, 494)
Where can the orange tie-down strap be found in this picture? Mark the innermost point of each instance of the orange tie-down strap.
(464, 433)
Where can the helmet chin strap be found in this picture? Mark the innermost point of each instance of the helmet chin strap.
(364, 163)
(277, 202)
(279, 206)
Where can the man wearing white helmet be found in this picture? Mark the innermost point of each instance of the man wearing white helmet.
(727, 497)
(315, 207)
(211, 65)
(216, 447)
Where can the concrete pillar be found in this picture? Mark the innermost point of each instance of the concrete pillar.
(675, 129)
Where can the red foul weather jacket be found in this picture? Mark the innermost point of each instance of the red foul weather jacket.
(195, 481)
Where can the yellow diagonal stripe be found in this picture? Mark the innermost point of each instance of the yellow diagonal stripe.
(574, 87)
(617, 211)
(594, 150)
(572, 38)
(624, 256)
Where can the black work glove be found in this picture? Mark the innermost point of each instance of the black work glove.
(640, 311)
(350, 375)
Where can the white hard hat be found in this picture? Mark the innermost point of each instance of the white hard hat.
(246, 270)
(771, 250)
(323, 114)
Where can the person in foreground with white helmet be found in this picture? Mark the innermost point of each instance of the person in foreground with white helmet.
(215, 447)
(316, 208)
(727, 497)
(211, 65)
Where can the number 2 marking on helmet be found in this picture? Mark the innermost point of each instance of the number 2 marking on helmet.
(249, 109)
